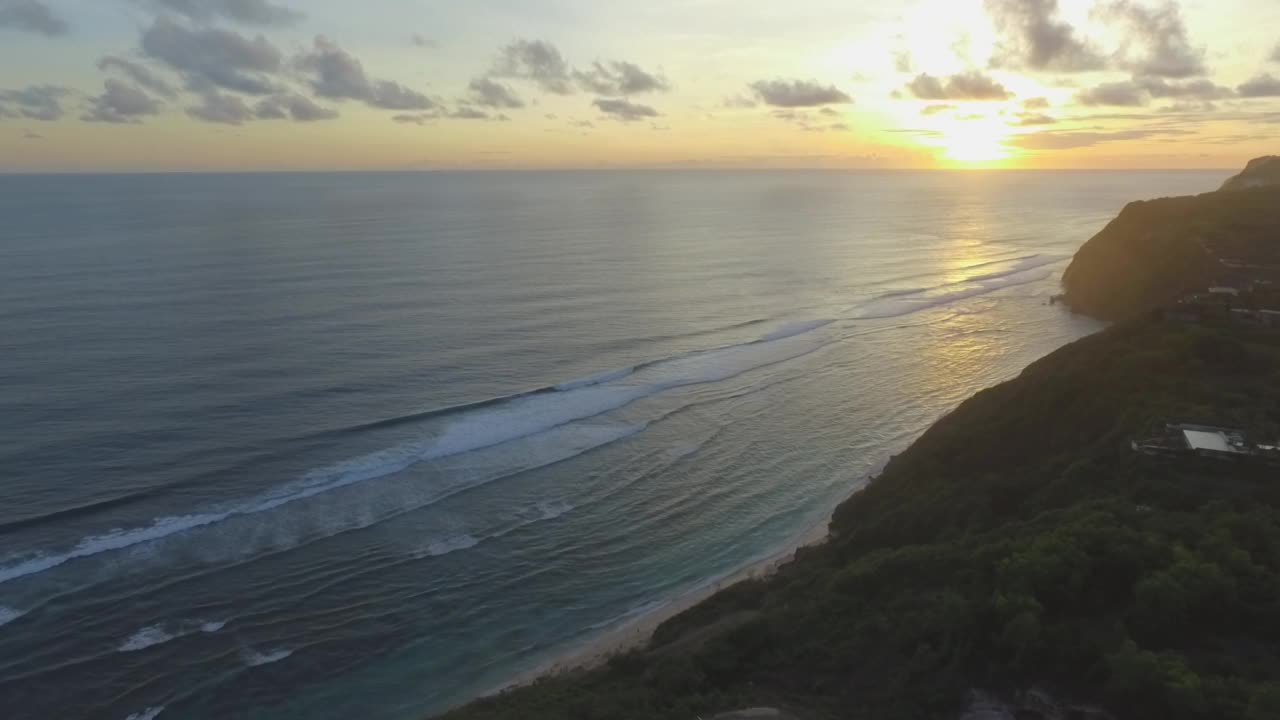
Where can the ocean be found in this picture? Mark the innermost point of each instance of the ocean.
(368, 445)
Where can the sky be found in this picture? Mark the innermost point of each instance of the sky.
(246, 85)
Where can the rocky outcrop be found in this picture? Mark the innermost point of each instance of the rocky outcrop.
(1260, 172)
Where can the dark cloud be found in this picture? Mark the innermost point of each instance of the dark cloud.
(624, 110)
(1265, 85)
(1032, 119)
(537, 61)
(971, 85)
(1118, 94)
(935, 109)
(247, 12)
(335, 73)
(422, 41)
(212, 58)
(222, 108)
(31, 135)
(488, 93)
(1032, 37)
(1190, 89)
(798, 93)
(31, 16)
(292, 106)
(121, 102)
(140, 74)
(1140, 91)
(1275, 54)
(1165, 50)
(1036, 103)
(35, 102)
(738, 102)
(620, 78)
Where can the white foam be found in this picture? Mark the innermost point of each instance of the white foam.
(253, 658)
(8, 614)
(159, 634)
(145, 638)
(450, 544)
(513, 419)
(149, 714)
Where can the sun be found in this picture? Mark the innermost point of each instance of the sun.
(974, 141)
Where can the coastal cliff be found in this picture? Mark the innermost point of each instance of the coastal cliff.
(1020, 546)
(1155, 251)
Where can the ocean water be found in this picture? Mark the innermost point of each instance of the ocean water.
(332, 446)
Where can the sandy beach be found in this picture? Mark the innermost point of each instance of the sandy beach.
(636, 632)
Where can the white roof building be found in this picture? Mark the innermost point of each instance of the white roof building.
(1202, 440)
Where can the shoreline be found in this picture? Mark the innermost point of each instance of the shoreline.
(635, 633)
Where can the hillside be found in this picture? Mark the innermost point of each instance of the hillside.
(1156, 251)
(1019, 543)
(1260, 172)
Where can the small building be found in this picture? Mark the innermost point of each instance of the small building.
(1213, 441)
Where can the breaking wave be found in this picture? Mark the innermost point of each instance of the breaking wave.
(474, 427)
(159, 634)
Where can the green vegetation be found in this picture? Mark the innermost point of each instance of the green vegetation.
(1156, 251)
(1018, 543)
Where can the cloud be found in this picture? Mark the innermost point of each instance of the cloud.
(1161, 34)
(935, 109)
(624, 110)
(1265, 85)
(467, 112)
(487, 93)
(335, 73)
(537, 61)
(1072, 139)
(738, 102)
(292, 106)
(1032, 37)
(1032, 119)
(1118, 94)
(415, 118)
(798, 93)
(1275, 54)
(620, 78)
(35, 102)
(120, 102)
(31, 16)
(222, 108)
(212, 58)
(1191, 89)
(902, 61)
(971, 85)
(1036, 103)
(140, 74)
(31, 135)
(1140, 91)
(422, 41)
(246, 12)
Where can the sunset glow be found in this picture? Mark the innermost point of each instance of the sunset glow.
(415, 84)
